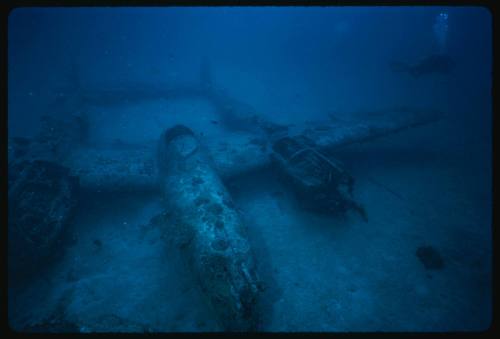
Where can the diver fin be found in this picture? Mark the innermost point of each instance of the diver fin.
(399, 67)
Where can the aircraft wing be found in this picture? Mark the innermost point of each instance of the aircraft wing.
(114, 168)
(365, 127)
(134, 168)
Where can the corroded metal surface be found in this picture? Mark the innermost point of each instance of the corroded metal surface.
(208, 230)
(42, 201)
(321, 183)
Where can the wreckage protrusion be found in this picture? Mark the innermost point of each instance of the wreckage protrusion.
(42, 197)
(320, 183)
(208, 230)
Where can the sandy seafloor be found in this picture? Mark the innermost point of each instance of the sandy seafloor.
(427, 186)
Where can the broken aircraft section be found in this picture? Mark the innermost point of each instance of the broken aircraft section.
(190, 171)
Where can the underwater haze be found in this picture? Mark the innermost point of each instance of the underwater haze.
(271, 169)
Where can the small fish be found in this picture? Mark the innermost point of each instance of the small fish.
(215, 122)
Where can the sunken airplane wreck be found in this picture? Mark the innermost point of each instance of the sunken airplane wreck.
(190, 171)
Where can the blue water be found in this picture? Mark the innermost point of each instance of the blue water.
(427, 186)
